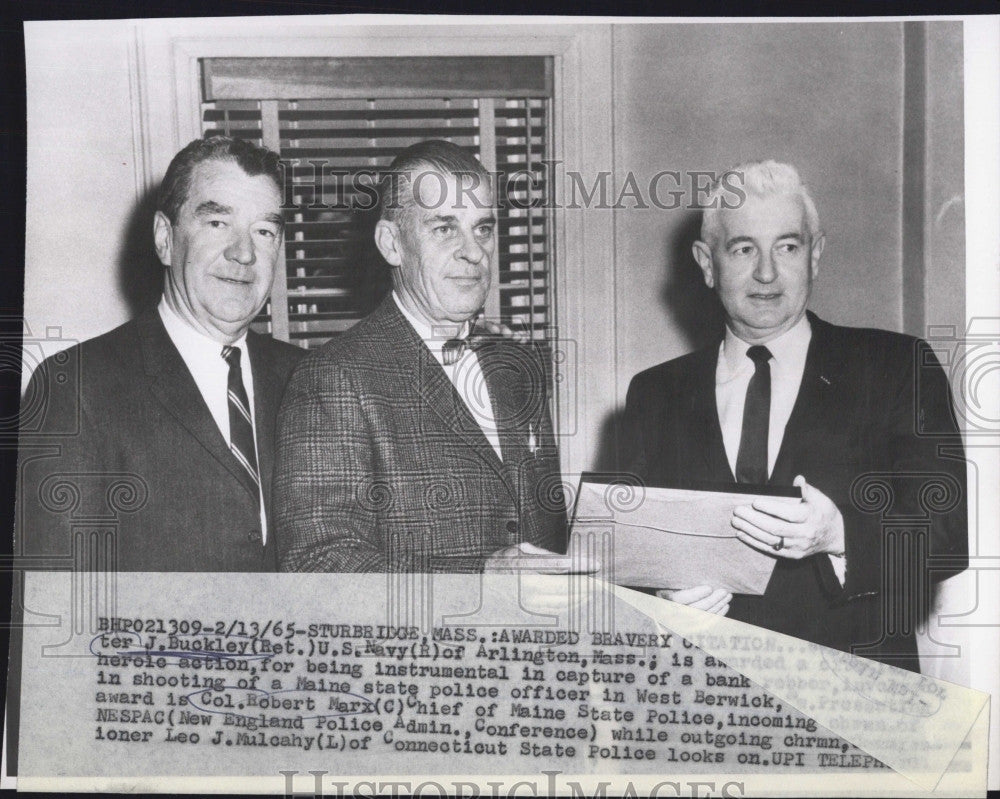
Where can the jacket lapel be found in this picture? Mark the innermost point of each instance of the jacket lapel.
(174, 387)
(514, 410)
(704, 434)
(814, 406)
(267, 391)
(432, 384)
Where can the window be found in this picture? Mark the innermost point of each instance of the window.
(337, 124)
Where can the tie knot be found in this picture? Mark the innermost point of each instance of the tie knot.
(759, 354)
(453, 348)
(231, 355)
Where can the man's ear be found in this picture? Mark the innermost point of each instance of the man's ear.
(703, 255)
(815, 251)
(163, 237)
(387, 239)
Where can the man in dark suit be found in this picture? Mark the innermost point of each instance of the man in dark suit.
(859, 419)
(151, 447)
(405, 445)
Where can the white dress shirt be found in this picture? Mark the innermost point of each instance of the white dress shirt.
(732, 376)
(465, 374)
(203, 358)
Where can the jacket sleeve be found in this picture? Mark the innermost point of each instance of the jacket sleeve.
(632, 438)
(909, 517)
(325, 497)
(59, 464)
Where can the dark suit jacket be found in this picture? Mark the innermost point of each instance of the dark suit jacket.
(120, 454)
(873, 429)
(381, 467)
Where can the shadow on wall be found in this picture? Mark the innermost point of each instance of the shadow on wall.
(694, 309)
(686, 299)
(140, 273)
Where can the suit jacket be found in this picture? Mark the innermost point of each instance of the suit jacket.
(123, 467)
(381, 467)
(873, 429)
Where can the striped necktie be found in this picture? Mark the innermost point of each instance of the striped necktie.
(240, 422)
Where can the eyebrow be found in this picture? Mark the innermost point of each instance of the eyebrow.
(440, 218)
(749, 239)
(212, 207)
(451, 218)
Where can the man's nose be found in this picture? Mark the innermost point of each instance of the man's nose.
(241, 249)
(765, 272)
(471, 249)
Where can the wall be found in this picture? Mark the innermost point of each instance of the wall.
(81, 240)
(827, 98)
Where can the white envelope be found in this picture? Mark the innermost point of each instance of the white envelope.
(667, 538)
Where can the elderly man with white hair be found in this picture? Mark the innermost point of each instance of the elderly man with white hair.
(859, 419)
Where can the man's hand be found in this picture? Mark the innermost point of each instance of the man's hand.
(703, 597)
(529, 558)
(540, 591)
(792, 530)
(489, 327)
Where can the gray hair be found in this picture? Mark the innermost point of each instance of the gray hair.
(759, 179)
(434, 155)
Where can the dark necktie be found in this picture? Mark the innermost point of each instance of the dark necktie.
(751, 461)
(240, 421)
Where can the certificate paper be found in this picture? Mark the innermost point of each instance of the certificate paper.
(667, 537)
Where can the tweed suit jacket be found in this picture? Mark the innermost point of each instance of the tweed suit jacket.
(118, 448)
(381, 467)
(873, 429)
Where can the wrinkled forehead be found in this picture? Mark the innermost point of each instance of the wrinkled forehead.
(445, 192)
(765, 217)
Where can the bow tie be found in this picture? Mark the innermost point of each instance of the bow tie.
(453, 348)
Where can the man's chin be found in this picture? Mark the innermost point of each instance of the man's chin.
(464, 309)
(232, 317)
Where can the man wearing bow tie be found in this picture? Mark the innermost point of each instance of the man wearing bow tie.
(786, 398)
(405, 444)
(154, 446)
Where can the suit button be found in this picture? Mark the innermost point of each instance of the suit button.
(254, 535)
(511, 526)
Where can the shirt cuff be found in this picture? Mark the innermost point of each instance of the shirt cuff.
(839, 563)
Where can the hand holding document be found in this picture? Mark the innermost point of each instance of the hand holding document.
(668, 537)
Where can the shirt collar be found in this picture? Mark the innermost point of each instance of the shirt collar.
(434, 337)
(790, 347)
(193, 345)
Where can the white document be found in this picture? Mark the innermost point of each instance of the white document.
(667, 538)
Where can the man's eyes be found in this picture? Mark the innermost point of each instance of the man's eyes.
(265, 232)
(742, 251)
(448, 230)
(789, 247)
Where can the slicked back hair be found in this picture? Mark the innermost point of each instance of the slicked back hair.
(251, 159)
(396, 197)
(757, 179)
